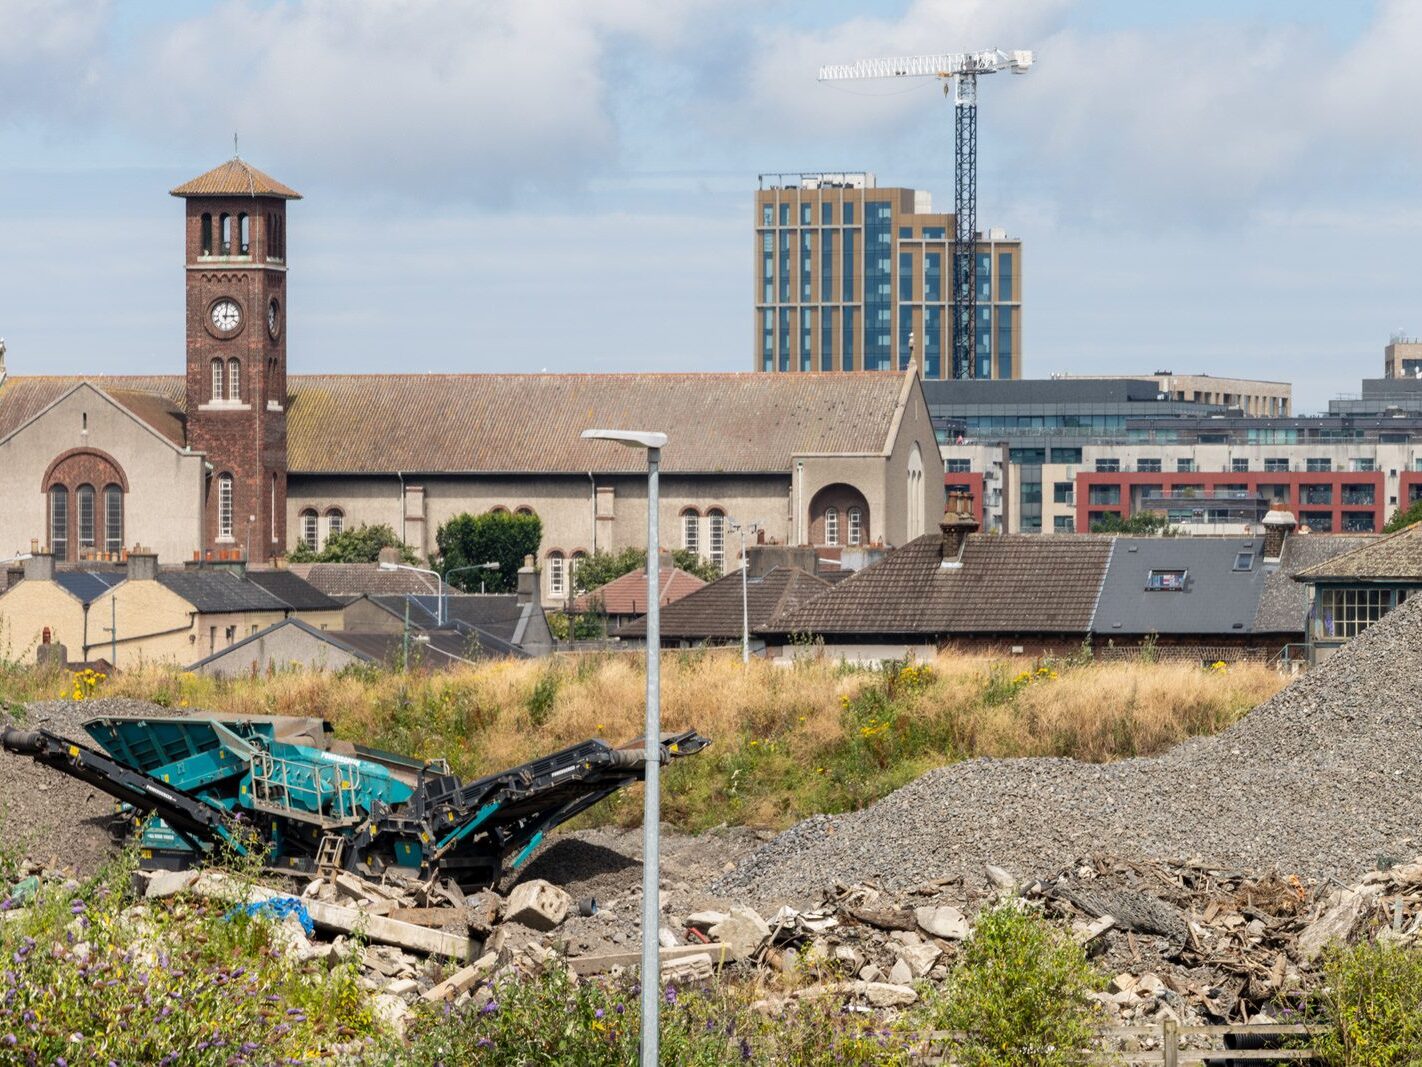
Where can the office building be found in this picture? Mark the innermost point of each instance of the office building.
(850, 276)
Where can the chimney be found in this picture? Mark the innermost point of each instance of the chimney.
(1278, 524)
(761, 559)
(142, 564)
(40, 566)
(388, 554)
(527, 582)
(958, 522)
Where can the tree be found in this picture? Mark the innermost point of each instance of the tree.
(602, 567)
(1142, 523)
(360, 544)
(1404, 517)
(494, 537)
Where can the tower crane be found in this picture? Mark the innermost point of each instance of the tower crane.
(963, 69)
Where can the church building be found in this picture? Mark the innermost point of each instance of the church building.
(235, 460)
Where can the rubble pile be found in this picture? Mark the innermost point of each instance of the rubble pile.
(1320, 779)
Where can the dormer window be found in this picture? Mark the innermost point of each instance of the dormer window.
(1244, 561)
(1166, 581)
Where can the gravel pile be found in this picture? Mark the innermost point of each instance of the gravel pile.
(54, 819)
(1322, 779)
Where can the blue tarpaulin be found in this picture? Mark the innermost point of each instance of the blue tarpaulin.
(277, 908)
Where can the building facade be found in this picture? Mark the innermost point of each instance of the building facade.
(850, 276)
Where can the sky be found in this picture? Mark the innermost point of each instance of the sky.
(1225, 186)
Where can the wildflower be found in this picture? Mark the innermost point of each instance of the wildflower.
(484, 1042)
(489, 1007)
(598, 1014)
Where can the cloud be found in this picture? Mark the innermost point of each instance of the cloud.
(51, 56)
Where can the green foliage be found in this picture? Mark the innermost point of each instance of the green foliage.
(1404, 517)
(540, 701)
(360, 544)
(1372, 1004)
(602, 567)
(1142, 523)
(95, 977)
(577, 625)
(1018, 994)
(493, 537)
(552, 1020)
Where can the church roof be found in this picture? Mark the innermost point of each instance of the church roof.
(236, 177)
(530, 423)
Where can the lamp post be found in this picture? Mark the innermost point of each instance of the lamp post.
(745, 596)
(652, 747)
(473, 567)
(385, 565)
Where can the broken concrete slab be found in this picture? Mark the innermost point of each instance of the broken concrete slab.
(537, 904)
(1343, 915)
(463, 979)
(946, 922)
(163, 884)
(742, 932)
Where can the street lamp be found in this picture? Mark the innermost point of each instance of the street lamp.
(386, 565)
(473, 567)
(745, 597)
(652, 746)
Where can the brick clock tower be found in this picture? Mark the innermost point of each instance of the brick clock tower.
(236, 348)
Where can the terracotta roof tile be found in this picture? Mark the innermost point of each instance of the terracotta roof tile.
(236, 177)
(1015, 583)
(627, 595)
(715, 611)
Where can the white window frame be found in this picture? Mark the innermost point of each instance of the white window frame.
(219, 375)
(234, 380)
(335, 522)
(557, 575)
(310, 529)
(832, 526)
(856, 527)
(691, 532)
(224, 506)
(716, 537)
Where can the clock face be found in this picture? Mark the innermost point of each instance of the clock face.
(274, 318)
(226, 315)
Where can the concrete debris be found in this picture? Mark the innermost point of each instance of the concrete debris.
(742, 931)
(539, 905)
(944, 921)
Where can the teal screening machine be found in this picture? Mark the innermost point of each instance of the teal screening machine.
(286, 787)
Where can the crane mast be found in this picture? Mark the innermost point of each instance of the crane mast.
(964, 69)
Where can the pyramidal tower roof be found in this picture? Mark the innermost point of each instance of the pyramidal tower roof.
(236, 177)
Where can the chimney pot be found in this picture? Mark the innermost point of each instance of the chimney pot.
(958, 522)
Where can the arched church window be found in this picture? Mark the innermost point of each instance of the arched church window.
(59, 522)
(244, 234)
(224, 505)
(716, 535)
(84, 505)
(557, 575)
(335, 521)
(206, 234)
(691, 530)
(310, 535)
(234, 380)
(113, 518)
(856, 526)
(831, 526)
(224, 247)
(217, 379)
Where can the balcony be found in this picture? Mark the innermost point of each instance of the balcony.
(1316, 494)
(1358, 496)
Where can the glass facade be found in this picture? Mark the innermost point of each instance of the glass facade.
(785, 265)
(905, 275)
(847, 284)
(932, 276)
(806, 338)
(1004, 342)
(1004, 275)
(906, 338)
(846, 350)
(767, 339)
(826, 264)
(878, 265)
(983, 352)
(826, 338)
(932, 342)
(807, 265)
(786, 317)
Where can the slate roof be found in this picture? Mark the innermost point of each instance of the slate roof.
(1283, 607)
(293, 590)
(212, 591)
(436, 648)
(346, 581)
(627, 595)
(1012, 583)
(495, 614)
(715, 610)
(321, 635)
(1396, 557)
(1216, 599)
(87, 586)
(235, 177)
(530, 423)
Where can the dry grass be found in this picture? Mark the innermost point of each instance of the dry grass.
(788, 741)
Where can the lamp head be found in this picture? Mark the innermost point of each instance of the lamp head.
(630, 438)
(386, 565)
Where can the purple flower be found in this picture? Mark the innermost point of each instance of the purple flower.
(489, 1007)
(9, 1041)
(77, 908)
(671, 994)
(598, 1014)
(484, 1042)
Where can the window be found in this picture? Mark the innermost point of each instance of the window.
(224, 505)
(59, 522)
(856, 527)
(244, 234)
(1166, 581)
(767, 215)
(557, 575)
(1149, 466)
(1348, 612)
(832, 526)
(224, 247)
(217, 379)
(1031, 492)
(785, 214)
(1184, 466)
(957, 466)
(1239, 466)
(1244, 561)
(1365, 464)
(234, 380)
(335, 522)
(1318, 463)
(849, 213)
(805, 214)
(84, 505)
(1066, 455)
(113, 518)
(1108, 466)
(1276, 464)
(206, 231)
(1063, 524)
(310, 533)
(523, 509)
(1004, 276)
(1109, 495)
(826, 214)
(716, 526)
(691, 531)
(1063, 493)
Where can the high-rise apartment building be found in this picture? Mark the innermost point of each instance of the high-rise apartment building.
(849, 276)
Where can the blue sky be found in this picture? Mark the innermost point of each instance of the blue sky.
(1221, 187)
